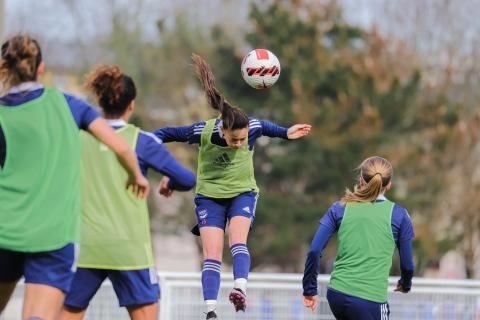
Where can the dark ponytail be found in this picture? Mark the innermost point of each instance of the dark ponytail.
(113, 89)
(232, 117)
(20, 58)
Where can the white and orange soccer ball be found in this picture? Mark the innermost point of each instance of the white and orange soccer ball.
(260, 68)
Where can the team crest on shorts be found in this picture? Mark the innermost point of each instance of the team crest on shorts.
(202, 214)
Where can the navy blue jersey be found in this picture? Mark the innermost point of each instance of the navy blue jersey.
(192, 133)
(402, 231)
(83, 113)
(152, 153)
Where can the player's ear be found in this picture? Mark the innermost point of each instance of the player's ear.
(131, 106)
(389, 186)
(41, 69)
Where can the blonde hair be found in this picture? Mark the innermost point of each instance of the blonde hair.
(19, 61)
(376, 173)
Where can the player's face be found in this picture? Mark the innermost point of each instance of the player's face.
(236, 138)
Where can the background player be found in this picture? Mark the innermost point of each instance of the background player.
(369, 227)
(115, 240)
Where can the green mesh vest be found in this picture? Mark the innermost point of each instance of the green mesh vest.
(365, 249)
(40, 179)
(115, 224)
(223, 172)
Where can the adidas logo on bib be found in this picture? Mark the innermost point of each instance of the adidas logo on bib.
(223, 161)
(246, 209)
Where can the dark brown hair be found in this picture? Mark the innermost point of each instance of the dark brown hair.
(113, 89)
(232, 117)
(376, 173)
(20, 57)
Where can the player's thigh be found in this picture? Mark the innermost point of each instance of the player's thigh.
(42, 301)
(144, 312)
(238, 229)
(212, 242)
(48, 276)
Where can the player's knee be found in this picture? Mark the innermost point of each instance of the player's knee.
(238, 238)
(213, 252)
(213, 255)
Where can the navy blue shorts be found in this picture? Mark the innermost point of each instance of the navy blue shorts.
(213, 212)
(54, 268)
(133, 287)
(346, 307)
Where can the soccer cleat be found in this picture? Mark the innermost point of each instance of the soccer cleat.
(211, 315)
(239, 299)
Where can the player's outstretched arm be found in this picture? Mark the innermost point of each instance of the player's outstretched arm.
(190, 134)
(104, 133)
(273, 130)
(298, 131)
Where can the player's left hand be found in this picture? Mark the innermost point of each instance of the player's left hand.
(310, 302)
(163, 187)
(298, 131)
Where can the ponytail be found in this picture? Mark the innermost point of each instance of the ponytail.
(20, 58)
(232, 117)
(114, 90)
(376, 173)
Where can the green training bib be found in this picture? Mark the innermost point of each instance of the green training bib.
(365, 249)
(223, 172)
(115, 223)
(40, 179)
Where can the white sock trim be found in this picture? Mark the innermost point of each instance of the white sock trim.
(241, 283)
(211, 305)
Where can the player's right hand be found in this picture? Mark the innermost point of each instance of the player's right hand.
(140, 186)
(163, 187)
(400, 288)
(310, 302)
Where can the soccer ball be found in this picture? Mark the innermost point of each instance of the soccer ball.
(260, 69)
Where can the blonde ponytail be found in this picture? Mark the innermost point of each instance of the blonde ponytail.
(375, 175)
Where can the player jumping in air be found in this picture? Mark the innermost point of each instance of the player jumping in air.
(226, 188)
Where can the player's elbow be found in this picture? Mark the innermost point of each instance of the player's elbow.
(190, 181)
(187, 182)
(123, 150)
(314, 253)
